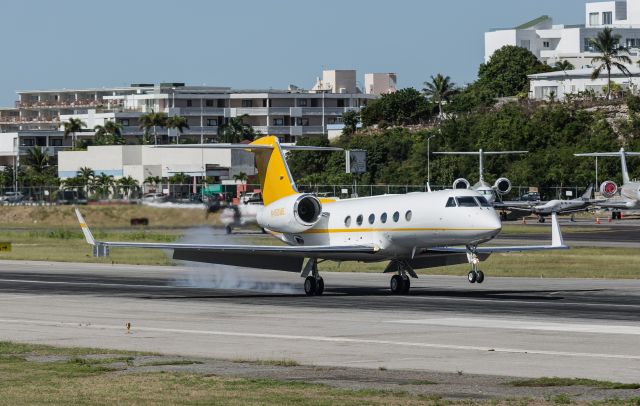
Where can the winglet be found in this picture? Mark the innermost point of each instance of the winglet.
(85, 229)
(556, 234)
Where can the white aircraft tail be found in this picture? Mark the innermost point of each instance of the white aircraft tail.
(623, 160)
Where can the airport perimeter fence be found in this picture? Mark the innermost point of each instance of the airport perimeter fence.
(221, 194)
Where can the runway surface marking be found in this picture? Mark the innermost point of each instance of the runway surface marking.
(301, 338)
(498, 299)
(423, 298)
(126, 285)
(524, 325)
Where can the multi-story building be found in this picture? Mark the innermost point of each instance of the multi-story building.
(552, 43)
(37, 118)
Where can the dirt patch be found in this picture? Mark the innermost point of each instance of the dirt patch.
(442, 385)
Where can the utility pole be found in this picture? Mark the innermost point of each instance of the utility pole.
(429, 159)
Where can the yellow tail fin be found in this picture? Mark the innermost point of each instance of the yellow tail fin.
(275, 178)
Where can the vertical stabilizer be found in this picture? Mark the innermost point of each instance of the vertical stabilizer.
(623, 162)
(275, 178)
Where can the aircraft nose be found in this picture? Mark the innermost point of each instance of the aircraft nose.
(493, 223)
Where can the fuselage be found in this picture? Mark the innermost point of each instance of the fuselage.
(559, 206)
(399, 224)
(631, 191)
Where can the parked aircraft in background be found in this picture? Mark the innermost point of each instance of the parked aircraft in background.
(501, 187)
(545, 209)
(626, 197)
(412, 231)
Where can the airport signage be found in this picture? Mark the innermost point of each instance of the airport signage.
(356, 161)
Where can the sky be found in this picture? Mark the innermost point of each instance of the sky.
(250, 43)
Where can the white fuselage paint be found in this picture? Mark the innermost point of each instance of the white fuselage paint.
(431, 223)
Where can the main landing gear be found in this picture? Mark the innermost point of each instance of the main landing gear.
(475, 275)
(313, 284)
(400, 283)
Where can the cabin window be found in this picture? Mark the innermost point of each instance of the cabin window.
(383, 218)
(408, 215)
(451, 202)
(359, 219)
(347, 221)
(396, 217)
(483, 201)
(372, 218)
(467, 201)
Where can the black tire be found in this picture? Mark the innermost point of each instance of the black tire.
(542, 220)
(319, 286)
(396, 284)
(480, 277)
(310, 286)
(472, 277)
(406, 285)
(228, 230)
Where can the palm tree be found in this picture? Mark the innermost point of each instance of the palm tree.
(87, 175)
(235, 130)
(109, 134)
(179, 123)
(439, 90)
(153, 180)
(103, 183)
(612, 55)
(152, 121)
(37, 159)
(71, 127)
(127, 184)
(564, 66)
(241, 177)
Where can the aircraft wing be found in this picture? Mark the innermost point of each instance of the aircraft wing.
(281, 258)
(557, 243)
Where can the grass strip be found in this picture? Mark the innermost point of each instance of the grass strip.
(554, 381)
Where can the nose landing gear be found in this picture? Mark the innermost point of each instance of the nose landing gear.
(475, 275)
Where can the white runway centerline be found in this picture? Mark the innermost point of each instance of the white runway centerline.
(524, 325)
(306, 338)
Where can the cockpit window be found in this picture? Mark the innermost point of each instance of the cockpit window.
(483, 202)
(451, 202)
(467, 201)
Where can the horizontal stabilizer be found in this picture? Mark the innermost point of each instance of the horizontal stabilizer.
(481, 152)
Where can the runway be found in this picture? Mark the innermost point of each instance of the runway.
(509, 327)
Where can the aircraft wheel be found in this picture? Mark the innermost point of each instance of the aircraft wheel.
(319, 286)
(542, 220)
(396, 284)
(472, 277)
(310, 286)
(406, 284)
(480, 277)
(228, 229)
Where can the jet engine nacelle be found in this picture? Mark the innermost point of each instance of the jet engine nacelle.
(291, 214)
(461, 183)
(502, 186)
(608, 189)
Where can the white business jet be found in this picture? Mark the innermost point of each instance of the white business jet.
(413, 231)
(625, 197)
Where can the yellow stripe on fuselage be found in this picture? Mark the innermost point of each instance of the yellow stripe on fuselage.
(393, 230)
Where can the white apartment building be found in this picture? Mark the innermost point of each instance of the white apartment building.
(543, 85)
(552, 42)
(37, 117)
(142, 161)
(380, 83)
